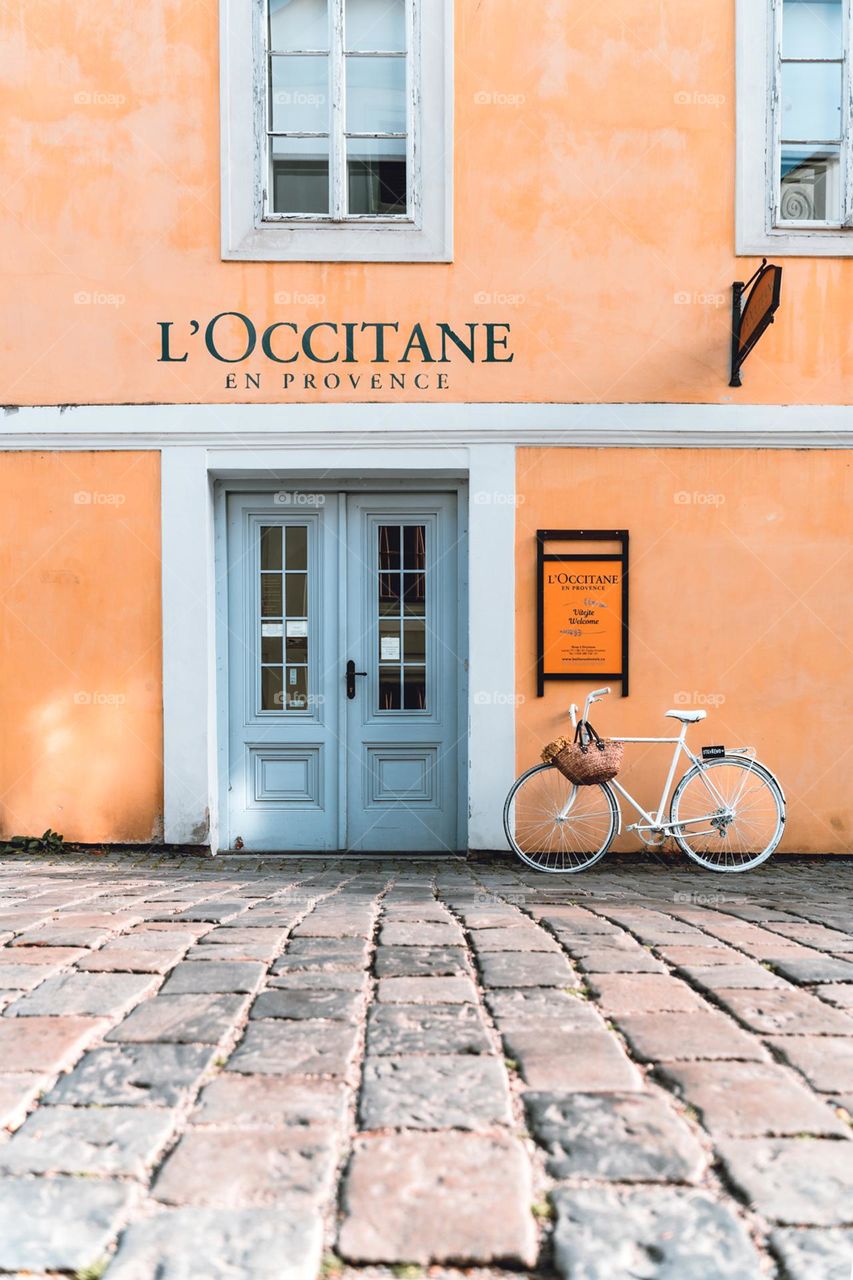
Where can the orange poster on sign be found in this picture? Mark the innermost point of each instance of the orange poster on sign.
(582, 617)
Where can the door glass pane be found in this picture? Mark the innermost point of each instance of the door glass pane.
(414, 594)
(271, 689)
(296, 595)
(812, 29)
(377, 25)
(389, 593)
(414, 641)
(389, 546)
(270, 595)
(298, 24)
(401, 622)
(389, 688)
(811, 186)
(414, 689)
(376, 175)
(297, 546)
(299, 89)
(811, 101)
(296, 689)
(376, 95)
(414, 547)
(299, 175)
(271, 547)
(284, 645)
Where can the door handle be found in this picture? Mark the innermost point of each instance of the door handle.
(350, 677)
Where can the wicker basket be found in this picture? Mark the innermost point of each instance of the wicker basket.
(586, 760)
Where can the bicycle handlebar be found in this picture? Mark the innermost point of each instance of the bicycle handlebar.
(595, 696)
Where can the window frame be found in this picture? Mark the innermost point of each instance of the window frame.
(758, 229)
(250, 233)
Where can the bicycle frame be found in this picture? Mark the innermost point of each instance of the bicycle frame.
(654, 820)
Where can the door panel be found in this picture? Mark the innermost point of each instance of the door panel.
(282, 629)
(402, 633)
(367, 579)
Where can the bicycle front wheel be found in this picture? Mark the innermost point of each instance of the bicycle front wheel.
(555, 826)
(729, 814)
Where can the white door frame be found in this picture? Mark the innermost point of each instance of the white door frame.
(195, 702)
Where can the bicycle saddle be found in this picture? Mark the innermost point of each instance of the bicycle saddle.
(687, 717)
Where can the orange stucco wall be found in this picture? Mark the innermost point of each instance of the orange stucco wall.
(80, 645)
(740, 567)
(594, 211)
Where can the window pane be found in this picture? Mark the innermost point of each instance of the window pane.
(271, 689)
(414, 548)
(389, 546)
(811, 102)
(390, 649)
(811, 187)
(297, 648)
(297, 546)
(389, 593)
(389, 688)
(376, 24)
(415, 642)
(299, 89)
(298, 24)
(271, 648)
(376, 95)
(271, 547)
(414, 689)
(376, 175)
(300, 175)
(414, 594)
(296, 595)
(296, 689)
(811, 29)
(270, 595)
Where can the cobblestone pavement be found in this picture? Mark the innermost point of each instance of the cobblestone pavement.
(289, 1069)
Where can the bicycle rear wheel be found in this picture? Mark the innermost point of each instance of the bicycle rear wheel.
(734, 820)
(555, 826)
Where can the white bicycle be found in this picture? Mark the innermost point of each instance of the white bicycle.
(727, 811)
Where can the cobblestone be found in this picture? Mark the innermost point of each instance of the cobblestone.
(671, 1235)
(320, 1057)
(805, 1181)
(439, 1092)
(423, 1197)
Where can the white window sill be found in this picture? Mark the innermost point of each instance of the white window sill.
(802, 243)
(339, 242)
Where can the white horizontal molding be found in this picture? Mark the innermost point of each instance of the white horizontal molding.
(403, 426)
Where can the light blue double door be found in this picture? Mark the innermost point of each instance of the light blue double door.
(344, 672)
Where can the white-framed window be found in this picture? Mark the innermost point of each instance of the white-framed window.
(794, 127)
(336, 119)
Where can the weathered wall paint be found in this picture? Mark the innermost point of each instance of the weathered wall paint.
(740, 565)
(80, 645)
(594, 211)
